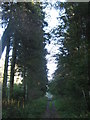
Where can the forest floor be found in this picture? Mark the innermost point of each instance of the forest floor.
(50, 110)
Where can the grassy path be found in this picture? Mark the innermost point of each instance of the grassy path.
(50, 111)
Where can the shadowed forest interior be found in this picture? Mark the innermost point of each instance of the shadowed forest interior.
(45, 61)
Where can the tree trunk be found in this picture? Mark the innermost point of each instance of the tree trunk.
(6, 70)
(12, 68)
(25, 85)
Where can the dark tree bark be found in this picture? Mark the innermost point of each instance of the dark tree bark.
(12, 68)
(24, 84)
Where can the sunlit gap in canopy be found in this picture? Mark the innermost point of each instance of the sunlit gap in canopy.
(2, 55)
(52, 1)
(2, 29)
(51, 15)
(52, 48)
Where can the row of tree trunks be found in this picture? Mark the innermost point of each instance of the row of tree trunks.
(12, 72)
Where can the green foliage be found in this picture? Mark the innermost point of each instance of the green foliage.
(70, 108)
(52, 87)
(37, 108)
(34, 109)
(25, 32)
(26, 38)
(71, 77)
(18, 92)
(25, 35)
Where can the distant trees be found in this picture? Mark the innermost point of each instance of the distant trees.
(25, 51)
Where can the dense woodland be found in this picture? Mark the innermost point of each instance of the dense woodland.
(23, 36)
(72, 78)
(24, 39)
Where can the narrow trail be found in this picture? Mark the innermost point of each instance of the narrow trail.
(50, 111)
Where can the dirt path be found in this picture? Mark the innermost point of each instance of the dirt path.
(51, 111)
